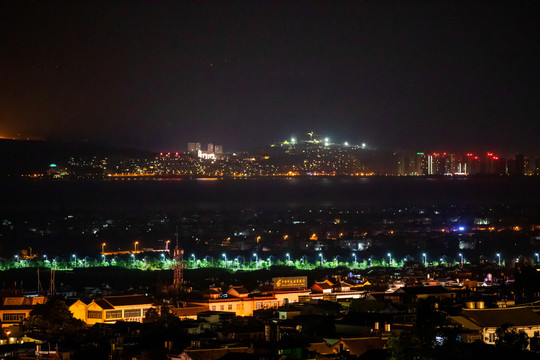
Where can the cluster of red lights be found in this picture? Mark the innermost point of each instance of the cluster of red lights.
(489, 155)
(167, 154)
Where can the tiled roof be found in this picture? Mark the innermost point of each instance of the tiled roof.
(518, 316)
(103, 304)
(323, 285)
(189, 311)
(129, 300)
(418, 290)
(214, 354)
(239, 289)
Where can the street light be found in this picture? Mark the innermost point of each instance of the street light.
(389, 259)
(499, 256)
(167, 245)
(136, 243)
(103, 247)
(322, 258)
(425, 258)
(461, 259)
(256, 259)
(288, 258)
(354, 256)
(537, 257)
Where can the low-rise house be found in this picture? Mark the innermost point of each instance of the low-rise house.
(349, 346)
(14, 309)
(189, 311)
(237, 300)
(212, 354)
(113, 308)
(481, 324)
(324, 287)
(342, 286)
(287, 313)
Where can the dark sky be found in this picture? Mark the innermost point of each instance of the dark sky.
(435, 75)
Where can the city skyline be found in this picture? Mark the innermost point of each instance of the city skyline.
(460, 77)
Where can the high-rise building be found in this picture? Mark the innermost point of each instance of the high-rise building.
(519, 165)
(218, 149)
(194, 147)
(210, 148)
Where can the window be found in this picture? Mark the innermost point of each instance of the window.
(276, 304)
(13, 316)
(131, 313)
(237, 306)
(266, 304)
(94, 314)
(258, 305)
(113, 314)
(222, 307)
(213, 307)
(491, 337)
(229, 307)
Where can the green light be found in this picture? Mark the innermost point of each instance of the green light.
(419, 153)
(52, 165)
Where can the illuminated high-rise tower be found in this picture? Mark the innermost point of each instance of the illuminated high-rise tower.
(194, 147)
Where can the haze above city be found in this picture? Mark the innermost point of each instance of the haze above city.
(433, 76)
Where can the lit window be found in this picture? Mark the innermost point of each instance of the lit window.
(113, 314)
(94, 314)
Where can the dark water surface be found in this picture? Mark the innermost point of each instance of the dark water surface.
(166, 195)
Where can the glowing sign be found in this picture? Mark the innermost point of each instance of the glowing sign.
(298, 282)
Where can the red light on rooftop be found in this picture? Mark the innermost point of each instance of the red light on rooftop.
(469, 154)
(444, 154)
(160, 154)
(435, 154)
(495, 158)
(476, 158)
(489, 154)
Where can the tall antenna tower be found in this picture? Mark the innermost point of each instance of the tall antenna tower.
(52, 289)
(178, 265)
(39, 287)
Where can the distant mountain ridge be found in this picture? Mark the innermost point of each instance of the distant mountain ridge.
(24, 156)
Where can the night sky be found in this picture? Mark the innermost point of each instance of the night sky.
(437, 75)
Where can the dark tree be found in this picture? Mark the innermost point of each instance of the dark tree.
(511, 339)
(53, 321)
